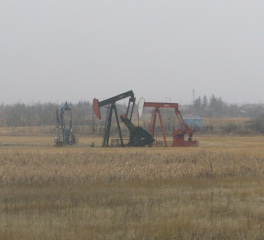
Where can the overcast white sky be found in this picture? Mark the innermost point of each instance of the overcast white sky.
(64, 50)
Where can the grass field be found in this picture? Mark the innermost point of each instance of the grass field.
(214, 191)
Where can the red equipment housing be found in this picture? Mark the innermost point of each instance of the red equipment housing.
(178, 134)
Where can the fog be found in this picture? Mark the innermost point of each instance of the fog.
(170, 50)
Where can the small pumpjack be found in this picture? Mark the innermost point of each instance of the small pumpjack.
(139, 137)
(178, 134)
(64, 135)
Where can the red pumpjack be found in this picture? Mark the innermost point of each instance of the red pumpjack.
(178, 134)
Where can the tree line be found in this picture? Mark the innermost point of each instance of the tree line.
(44, 114)
(215, 107)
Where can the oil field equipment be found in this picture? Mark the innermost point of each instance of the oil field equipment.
(64, 133)
(111, 103)
(179, 133)
(139, 137)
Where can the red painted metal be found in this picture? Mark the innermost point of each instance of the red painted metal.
(96, 108)
(156, 112)
(178, 134)
(161, 105)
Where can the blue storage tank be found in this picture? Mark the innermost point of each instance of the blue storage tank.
(194, 122)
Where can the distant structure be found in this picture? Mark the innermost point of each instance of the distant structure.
(64, 126)
(194, 122)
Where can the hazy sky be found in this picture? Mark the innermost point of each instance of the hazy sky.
(58, 50)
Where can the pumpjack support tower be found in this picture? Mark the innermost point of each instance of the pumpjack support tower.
(111, 102)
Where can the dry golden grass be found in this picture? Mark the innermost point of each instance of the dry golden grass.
(20, 167)
(214, 191)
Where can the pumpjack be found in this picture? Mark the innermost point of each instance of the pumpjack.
(64, 126)
(138, 136)
(111, 102)
(179, 133)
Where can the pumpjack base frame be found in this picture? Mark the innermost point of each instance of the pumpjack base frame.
(183, 143)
